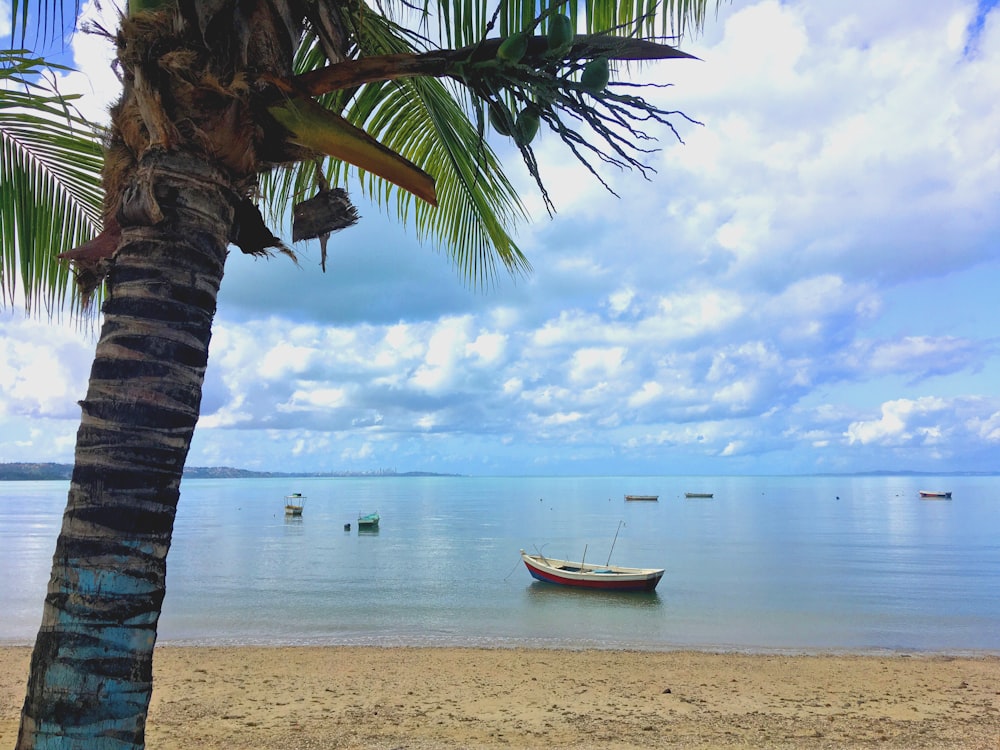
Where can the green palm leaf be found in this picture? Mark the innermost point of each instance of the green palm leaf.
(477, 205)
(50, 196)
(461, 22)
(423, 120)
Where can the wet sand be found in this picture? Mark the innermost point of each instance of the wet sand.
(423, 698)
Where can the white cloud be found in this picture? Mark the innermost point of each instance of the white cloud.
(400, 345)
(488, 348)
(427, 422)
(94, 77)
(592, 362)
(361, 453)
(693, 314)
(445, 351)
(562, 418)
(648, 393)
(915, 356)
(737, 395)
(895, 355)
(805, 118)
(898, 422)
(513, 386)
(732, 448)
(284, 360)
(320, 398)
(40, 368)
(988, 428)
(620, 301)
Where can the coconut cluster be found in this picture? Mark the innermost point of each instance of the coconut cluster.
(524, 124)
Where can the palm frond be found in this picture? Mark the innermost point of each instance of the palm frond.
(477, 205)
(326, 132)
(424, 121)
(461, 22)
(50, 194)
(46, 18)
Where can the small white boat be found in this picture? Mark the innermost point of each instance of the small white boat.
(591, 576)
(368, 522)
(699, 494)
(642, 498)
(935, 495)
(294, 503)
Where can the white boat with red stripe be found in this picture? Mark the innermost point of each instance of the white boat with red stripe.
(590, 575)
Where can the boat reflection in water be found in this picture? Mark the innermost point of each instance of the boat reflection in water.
(544, 593)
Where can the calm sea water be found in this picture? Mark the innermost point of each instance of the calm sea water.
(770, 563)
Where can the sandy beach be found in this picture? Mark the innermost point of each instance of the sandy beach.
(420, 698)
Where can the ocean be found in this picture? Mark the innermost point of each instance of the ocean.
(769, 564)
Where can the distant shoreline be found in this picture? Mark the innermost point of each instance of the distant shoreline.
(26, 472)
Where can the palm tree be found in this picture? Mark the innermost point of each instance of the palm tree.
(224, 103)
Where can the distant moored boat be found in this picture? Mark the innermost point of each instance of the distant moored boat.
(934, 495)
(699, 494)
(646, 498)
(294, 503)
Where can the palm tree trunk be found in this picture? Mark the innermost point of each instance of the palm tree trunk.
(91, 669)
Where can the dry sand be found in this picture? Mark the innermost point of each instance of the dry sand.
(421, 698)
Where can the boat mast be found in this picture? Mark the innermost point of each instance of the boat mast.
(613, 543)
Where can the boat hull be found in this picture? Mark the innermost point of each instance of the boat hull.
(642, 498)
(929, 495)
(703, 495)
(611, 578)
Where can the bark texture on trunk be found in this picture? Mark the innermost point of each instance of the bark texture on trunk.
(91, 670)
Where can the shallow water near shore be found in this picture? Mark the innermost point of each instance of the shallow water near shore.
(831, 563)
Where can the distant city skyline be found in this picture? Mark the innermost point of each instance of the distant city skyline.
(807, 284)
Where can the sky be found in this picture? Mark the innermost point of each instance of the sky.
(807, 284)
